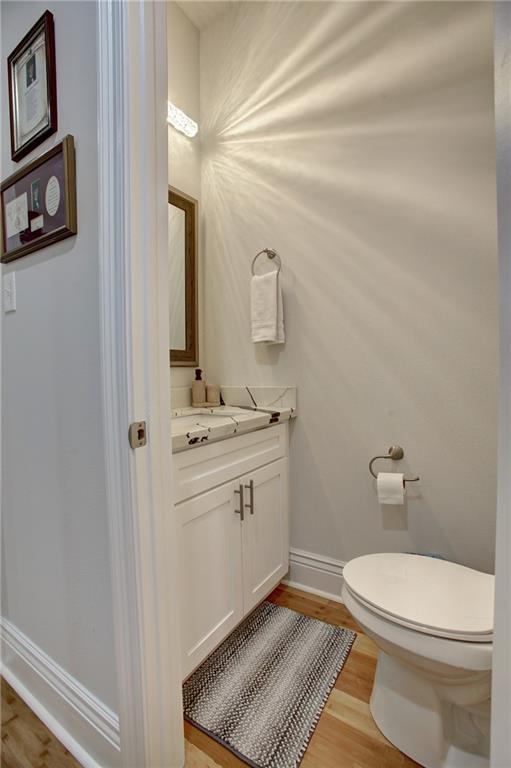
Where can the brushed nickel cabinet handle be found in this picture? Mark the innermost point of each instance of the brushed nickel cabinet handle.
(250, 504)
(241, 510)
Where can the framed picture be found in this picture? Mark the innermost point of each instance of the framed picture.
(39, 203)
(33, 88)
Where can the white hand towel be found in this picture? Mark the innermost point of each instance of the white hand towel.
(267, 309)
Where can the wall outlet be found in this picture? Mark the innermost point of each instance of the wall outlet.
(9, 291)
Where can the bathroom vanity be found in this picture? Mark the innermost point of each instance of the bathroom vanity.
(230, 473)
(232, 502)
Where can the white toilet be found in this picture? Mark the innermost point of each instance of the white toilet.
(433, 623)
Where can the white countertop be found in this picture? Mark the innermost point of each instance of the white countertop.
(195, 426)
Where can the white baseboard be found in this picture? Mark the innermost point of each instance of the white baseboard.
(315, 573)
(82, 723)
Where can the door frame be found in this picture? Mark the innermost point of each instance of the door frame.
(136, 379)
(132, 100)
(501, 679)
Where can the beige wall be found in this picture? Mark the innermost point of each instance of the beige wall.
(358, 140)
(184, 153)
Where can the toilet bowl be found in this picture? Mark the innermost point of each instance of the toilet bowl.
(432, 621)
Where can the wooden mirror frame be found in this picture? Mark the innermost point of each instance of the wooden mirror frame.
(190, 355)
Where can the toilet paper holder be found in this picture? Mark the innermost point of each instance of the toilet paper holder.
(395, 453)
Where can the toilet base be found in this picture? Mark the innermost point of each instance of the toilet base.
(431, 720)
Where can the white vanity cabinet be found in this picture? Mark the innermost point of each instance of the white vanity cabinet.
(230, 559)
(264, 532)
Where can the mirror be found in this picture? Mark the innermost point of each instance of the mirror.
(183, 278)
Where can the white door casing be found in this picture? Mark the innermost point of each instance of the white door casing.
(501, 682)
(132, 93)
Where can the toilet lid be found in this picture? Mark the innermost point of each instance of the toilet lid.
(426, 594)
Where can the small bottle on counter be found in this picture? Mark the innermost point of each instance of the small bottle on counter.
(213, 395)
(198, 390)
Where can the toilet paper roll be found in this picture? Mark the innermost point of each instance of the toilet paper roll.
(390, 487)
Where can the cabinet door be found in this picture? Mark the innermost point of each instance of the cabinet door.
(211, 573)
(265, 532)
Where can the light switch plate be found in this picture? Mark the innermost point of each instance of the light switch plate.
(9, 289)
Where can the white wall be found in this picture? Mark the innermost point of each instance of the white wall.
(501, 685)
(358, 140)
(184, 153)
(56, 585)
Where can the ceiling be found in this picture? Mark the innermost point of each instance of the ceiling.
(202, 13)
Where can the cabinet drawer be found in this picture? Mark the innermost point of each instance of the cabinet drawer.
(207, 466)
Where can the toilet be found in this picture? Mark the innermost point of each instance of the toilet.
(432, 621)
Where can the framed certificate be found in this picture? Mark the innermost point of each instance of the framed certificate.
(33, 88)
(38, 203)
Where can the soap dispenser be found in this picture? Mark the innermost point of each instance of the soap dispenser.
(198, 390)
(213, 395)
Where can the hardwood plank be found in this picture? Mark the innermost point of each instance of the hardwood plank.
(314, 606)
(357, 676)
(195, 758)
(212, 749)
(22, 736)
(27, 721)
(16, 752)
(354, 712)
(9, 760)
(26, 742)
(366, 646)
(345, 737)
(7, 712)
(338, 745)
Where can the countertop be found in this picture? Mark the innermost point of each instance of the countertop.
(191, 427)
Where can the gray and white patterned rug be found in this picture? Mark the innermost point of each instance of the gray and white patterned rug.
(261, 693)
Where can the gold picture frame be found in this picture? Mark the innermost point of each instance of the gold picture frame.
(38, 203)
(33, 88)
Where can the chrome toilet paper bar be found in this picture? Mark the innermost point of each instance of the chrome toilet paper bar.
(395, 453)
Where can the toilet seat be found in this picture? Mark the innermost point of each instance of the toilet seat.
(431, 621)
(428, 595)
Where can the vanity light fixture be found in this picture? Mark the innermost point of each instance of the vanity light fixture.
(181, 122)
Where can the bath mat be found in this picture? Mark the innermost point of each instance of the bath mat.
(260, 694)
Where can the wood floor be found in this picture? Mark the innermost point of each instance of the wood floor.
(345, 737)
(26, 742)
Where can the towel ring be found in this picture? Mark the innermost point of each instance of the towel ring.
(395, 453)
(272, 254)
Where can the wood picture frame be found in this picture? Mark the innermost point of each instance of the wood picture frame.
(38, 203)
(190, 355)
(32, 77)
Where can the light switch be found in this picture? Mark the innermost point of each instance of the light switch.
(9, 289)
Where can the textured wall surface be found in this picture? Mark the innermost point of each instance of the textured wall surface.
(358, 140)
(184, 153)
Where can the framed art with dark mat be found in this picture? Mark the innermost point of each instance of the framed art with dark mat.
(33, 88)
(39, 203)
